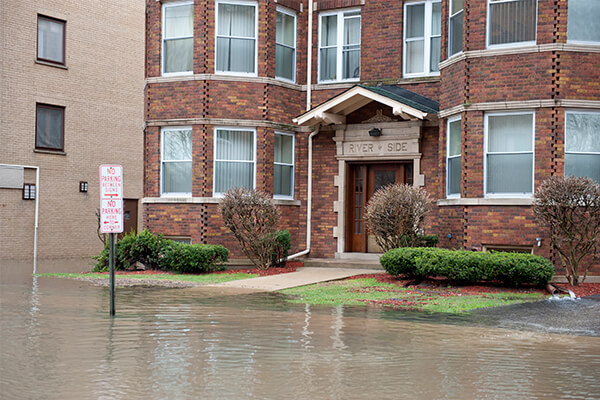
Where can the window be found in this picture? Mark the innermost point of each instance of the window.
(582, 144)
(283, 170)
(509, 154)
(422, 33)
(453, 158)
(29, 191)
(234, 159)
(51, 40)
(285, 47)
(178, 38)
(583, 23)
(176, 161)
(455, 27)
(50, 127)
(511, 21)
(236, 37)
(339, 46)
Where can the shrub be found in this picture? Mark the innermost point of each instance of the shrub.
(395, 213)
(283, 244)
(144, 247)
(252, 218)
(468, 267)
(193, 258)
(570, 208)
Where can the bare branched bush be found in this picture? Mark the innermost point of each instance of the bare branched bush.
(570, 207)
(252, 218)
(395, 213)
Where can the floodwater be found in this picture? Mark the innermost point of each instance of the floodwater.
(57, 341)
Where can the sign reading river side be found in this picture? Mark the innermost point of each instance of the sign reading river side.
(111, 199)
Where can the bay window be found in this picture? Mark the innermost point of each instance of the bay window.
(178, 38)
(283, 168)
(285, 45)
(339, 46)
(455, 27)
(509, 154)
(582, 144)
(453, 157)
(422, 33)
(176, 161)
(511, 21)
(236, 37)
(583, 24)
(235, 159)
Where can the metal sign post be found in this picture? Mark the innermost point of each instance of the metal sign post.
(111, 216)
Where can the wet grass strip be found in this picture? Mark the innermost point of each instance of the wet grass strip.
(369, 291)
(206, 279)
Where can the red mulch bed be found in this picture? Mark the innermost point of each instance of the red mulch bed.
(584, 289)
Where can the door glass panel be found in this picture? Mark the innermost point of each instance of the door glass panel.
(384, 178)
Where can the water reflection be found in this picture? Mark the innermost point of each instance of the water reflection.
(57, 341)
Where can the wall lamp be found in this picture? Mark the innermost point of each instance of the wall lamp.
(375, 132)
(83, 186)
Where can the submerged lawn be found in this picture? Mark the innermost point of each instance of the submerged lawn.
(432, 299)
(199, 279)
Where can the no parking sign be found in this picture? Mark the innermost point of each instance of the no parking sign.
(111, 199)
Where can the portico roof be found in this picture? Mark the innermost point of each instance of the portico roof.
(404, 103)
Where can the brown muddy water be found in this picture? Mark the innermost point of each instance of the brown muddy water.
(57, 341)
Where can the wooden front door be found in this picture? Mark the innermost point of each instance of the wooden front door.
(363, 181)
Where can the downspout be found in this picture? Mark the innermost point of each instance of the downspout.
(37, 210)
(310, 137)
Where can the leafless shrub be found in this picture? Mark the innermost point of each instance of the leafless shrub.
(395, 213)
(570, 207)
(252, 218)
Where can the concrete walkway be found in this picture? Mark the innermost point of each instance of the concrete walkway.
(302, 276)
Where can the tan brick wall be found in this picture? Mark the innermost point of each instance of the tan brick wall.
(102, 92)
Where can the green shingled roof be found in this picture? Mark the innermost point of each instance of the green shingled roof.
(407, 97)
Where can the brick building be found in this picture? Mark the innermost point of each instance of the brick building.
(71, 98)
(321, 103)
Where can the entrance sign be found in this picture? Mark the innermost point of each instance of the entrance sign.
(111, 215)
(111, 181)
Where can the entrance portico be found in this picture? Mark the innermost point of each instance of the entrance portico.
(378, 133)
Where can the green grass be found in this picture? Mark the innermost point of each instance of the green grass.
(369, 291)
(200, 279)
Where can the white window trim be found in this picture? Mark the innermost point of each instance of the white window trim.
(485, 154)
(215, 160)
(426, 40)
(293, 165)
(507, 45)
(451, 120)
(291, 14)
(243, 3)
(591, 153)
(339, 43)
(162, 39)
(450, 16)
(162, 148)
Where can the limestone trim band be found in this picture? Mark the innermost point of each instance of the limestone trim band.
(485, 202)
(206, 200)
(519, 105)
(228, 122)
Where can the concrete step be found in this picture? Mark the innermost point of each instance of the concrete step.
(342, 263)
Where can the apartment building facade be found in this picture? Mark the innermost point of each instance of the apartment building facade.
(71, 98)
(321, 103)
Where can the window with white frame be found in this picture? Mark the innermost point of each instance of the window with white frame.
(511, 22)
(582, 144)
(422, 34)
(176, 161)
(236, 37)
(178, 38)
(509, 154)
(455, 27)
(339, 46)
(285, 45)
(583, 24)
(283, 168)
(235, 159)
(453, 157)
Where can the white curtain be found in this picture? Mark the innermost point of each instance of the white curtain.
(283, 169)
(328, 62)
(351, 49)
(50, 40)
(49, 128)
(436, 31)
(177, 161)
(236, 38)
(285, 52)
(234, 160)
(179, 38)
(415, 38)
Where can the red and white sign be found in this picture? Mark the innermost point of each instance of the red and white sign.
(111, 215)
(111, 199)
(111, 182)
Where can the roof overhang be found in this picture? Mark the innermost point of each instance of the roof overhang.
(335, 110)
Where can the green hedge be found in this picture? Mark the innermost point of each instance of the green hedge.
(158, 253)
(282, 248)
(467, 266)
(193, 258)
